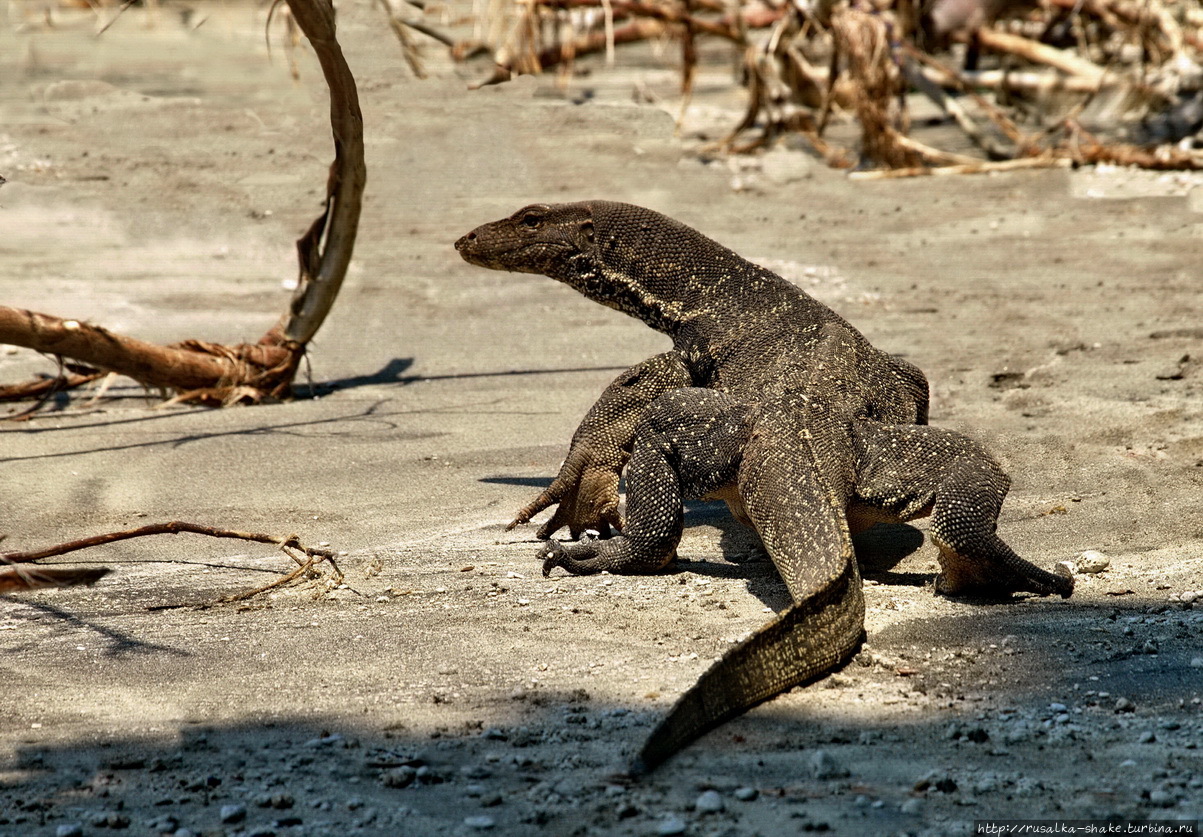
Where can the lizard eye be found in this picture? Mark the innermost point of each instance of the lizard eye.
(531, 220)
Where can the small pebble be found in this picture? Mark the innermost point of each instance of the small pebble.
(1124, 705)
(912, 806)
(398, 777)
(1091, 562)
(70, 829)
(110, 820)
(670, 827)
(1161, 798)
(1196, 662)
(709, 803)
(824, 766)
(231, 814)
(746, 794)
(324, 741)
(480, 823)
(1147, 738)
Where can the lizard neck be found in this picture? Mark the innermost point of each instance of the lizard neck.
(660, 302)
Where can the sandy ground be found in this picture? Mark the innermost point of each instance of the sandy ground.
(157, 178)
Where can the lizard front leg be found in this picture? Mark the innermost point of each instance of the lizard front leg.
(586, 488)
(688, 446)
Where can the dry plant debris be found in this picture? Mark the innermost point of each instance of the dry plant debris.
(19, 572)
(1083, 81)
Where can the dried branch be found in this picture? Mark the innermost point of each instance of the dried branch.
(639, 30)
(173, 527)
(20, 579)
(820, 61)
(185, 367)
(216, 374)
(43, 388)
(325, 250)
(1039, 53)
(29, 578)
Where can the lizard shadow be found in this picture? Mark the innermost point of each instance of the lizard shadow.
(878, 551)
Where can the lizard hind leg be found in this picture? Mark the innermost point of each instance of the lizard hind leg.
(909, 470)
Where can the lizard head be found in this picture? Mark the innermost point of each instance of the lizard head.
(552, 240)
(625, 257)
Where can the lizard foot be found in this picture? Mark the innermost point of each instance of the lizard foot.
(961, 576)
(552, 555)
(580, 558)
(588, 500)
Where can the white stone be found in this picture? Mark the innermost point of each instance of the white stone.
(1092, 561)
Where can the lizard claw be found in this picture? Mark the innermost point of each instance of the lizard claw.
(553, 556)
(531, 509)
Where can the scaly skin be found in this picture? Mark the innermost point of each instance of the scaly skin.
(771, 401)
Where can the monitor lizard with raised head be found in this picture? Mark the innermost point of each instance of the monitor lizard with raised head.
(770, 401)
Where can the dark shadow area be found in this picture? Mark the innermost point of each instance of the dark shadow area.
(526, 482)
(510, 373)
(393, 372)
(982, 728)
(884, 546)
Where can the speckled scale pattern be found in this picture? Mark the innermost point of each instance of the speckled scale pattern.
(770, 401)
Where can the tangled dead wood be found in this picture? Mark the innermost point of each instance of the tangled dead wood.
(211, 373)
(18, 572)
(1117, 81)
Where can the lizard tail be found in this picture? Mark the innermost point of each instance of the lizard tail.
(807, 641)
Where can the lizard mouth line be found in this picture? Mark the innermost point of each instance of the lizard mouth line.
(516, 257)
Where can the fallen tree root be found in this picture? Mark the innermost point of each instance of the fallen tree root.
(211, 373)
(16, 578)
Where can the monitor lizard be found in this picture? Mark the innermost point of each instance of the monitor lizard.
(770, 401)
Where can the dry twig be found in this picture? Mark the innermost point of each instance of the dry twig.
(819, 61)
(28, 578)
